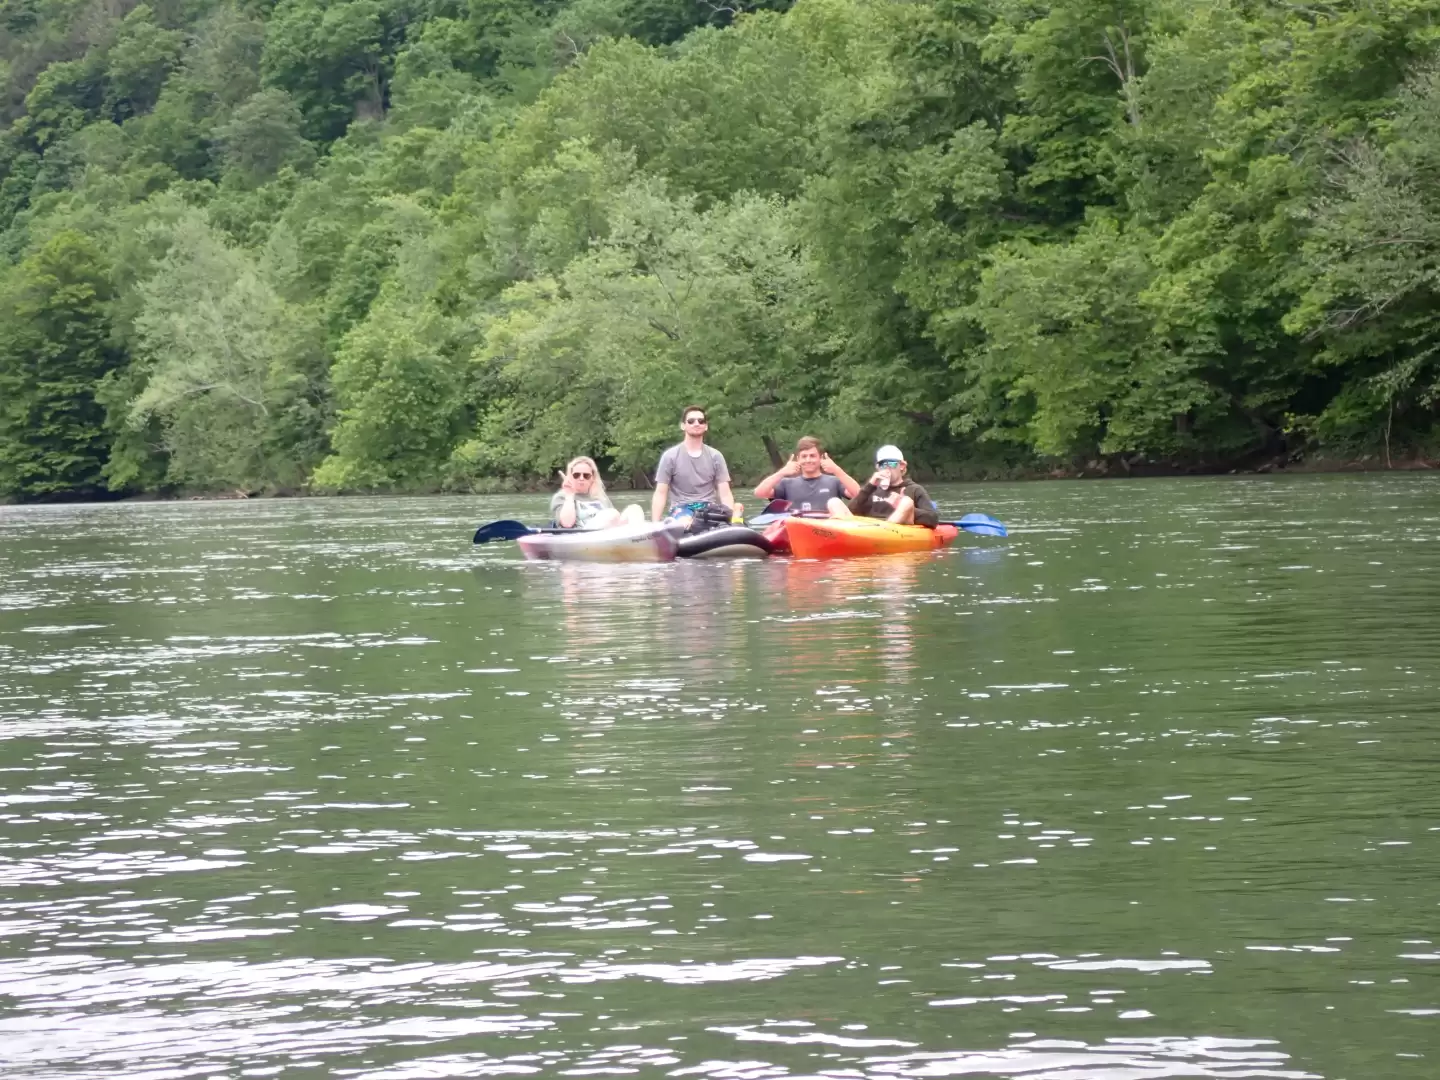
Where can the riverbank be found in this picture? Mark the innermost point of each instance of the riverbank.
(1102, 469)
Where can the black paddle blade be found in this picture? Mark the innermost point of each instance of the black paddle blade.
(501, 530)
(774, 510)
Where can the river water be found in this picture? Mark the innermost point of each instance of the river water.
(315, 788)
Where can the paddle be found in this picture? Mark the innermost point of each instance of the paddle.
(774, 509)
(507, 530)
(979, 524)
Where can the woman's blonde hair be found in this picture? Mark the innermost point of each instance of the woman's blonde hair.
(597, 485)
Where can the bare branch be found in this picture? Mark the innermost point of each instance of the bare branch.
(733, 10)
(225, 386)
(1121, 62)
(575, 50)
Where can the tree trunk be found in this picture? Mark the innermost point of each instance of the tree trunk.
(773, 450)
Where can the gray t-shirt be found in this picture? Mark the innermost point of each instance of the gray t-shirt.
(803, 494)
(692, 479)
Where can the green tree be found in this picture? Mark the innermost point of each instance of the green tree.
(138, 63)
(218, 72)
(335, 57)
(54, 349)
(675, 304)
(1071, 347)
(403, 387)
(1372, 300)
(232, 372)
(262, 136)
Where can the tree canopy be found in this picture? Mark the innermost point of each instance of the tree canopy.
(346, 245)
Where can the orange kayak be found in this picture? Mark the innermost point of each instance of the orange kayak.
(837, 538)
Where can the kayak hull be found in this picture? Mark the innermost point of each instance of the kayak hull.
(778, 537)
(626, 544)
(838, 538)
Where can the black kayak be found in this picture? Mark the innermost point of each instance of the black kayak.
(728, 541)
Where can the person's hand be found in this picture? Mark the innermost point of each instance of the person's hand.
(826, 465)
(881, 476)
(792, 467)
(565, 483)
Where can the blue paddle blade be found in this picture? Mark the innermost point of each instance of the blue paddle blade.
(982, 525)
(502, 530)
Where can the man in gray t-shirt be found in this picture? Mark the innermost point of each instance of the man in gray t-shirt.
(690, 471)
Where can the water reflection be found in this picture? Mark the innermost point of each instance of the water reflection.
(419, 1020)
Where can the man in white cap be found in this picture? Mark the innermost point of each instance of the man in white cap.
(889, 495)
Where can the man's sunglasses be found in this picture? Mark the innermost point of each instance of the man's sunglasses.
(889, 463)
(582, 476)
(696, 420)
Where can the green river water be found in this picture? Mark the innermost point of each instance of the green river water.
(315, 788)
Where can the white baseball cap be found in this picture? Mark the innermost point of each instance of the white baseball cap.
(889, 453)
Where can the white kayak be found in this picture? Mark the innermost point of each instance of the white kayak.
(651, 542)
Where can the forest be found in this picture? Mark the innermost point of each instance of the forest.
(319, 246)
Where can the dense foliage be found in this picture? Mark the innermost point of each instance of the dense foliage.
(418, 244)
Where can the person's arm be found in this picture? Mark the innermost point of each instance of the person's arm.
(664, 473)
(860, 502)
(925, 511)
(722, 482)
(565, 515)
(726, 495)
(849, 486)
(766, 488)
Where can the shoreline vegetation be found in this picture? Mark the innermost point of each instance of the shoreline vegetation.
(1092, 471)
(371, 246)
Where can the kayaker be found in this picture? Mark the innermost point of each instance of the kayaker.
(581, 502)
(691, 473)
(809, 480)
(888, 494)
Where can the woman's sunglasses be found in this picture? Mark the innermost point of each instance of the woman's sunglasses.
(582, 476)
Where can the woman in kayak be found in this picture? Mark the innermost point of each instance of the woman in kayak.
(581, 502)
